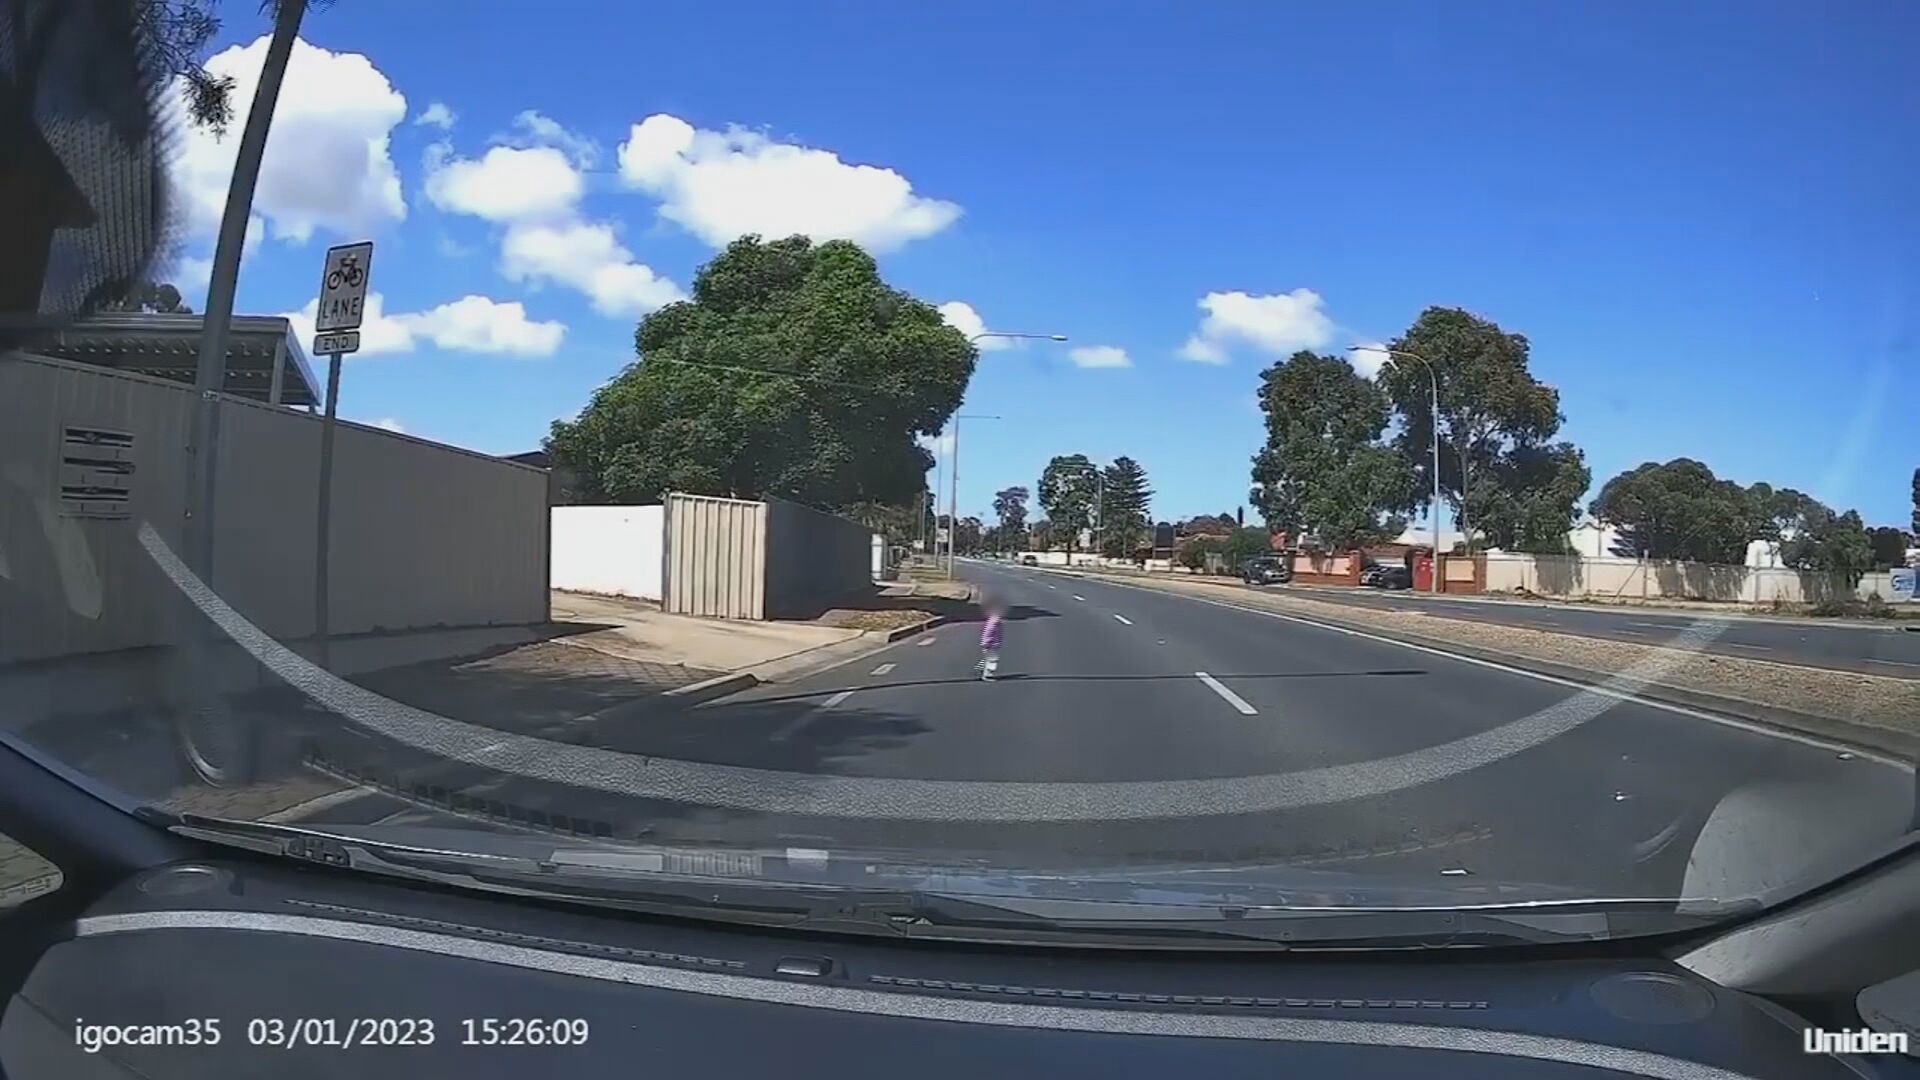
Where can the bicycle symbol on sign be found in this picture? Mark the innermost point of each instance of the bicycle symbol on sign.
(348, 273)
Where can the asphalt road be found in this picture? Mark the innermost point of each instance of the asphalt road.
(1131, 726)
(1873, 650)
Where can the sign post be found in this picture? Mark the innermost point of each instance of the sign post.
(343, 296)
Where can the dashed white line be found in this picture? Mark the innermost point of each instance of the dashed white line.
(1077, 596)
(883, 669)
(1124, 621)
(1053, 586)
(923, 642)
(1233, 699)
(792, 726)
(1744, 645)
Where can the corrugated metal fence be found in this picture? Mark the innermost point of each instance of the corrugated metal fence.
(716, 558)
(731, 559)
(424, 535)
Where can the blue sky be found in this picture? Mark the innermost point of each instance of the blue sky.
(1704, 218)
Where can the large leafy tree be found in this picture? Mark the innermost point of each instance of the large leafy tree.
(1124, 496)
(1490, 404)
(1829, 543)
(1527, 496)
(1010, 506)
(1680, 510)
(793, 370)
(1069, 487)
(1889, 546)
(1040, 535)
(1324, 471)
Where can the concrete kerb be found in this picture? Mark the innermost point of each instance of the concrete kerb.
(1850, 736)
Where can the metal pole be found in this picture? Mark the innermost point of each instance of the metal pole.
(210, 370)
(953, 497)
(1434, 381)
(323, 519)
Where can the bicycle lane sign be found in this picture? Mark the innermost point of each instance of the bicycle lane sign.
(343, 287)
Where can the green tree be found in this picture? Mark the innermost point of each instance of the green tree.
(1040, 535)
(1829, 543)
(1193, 553)
(970, 536)
(1246, 543)
(1889, 546)
(794, 370)
(1323, 471)
(1010, 506)
(1068, 488)
(1489, 404)
(1679, 510)
(1124, 496)
(1527, 497)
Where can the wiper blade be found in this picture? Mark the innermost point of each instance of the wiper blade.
(611, 877)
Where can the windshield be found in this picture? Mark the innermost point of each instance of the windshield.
(1382, 462)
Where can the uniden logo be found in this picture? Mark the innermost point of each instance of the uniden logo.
(1853, 1041)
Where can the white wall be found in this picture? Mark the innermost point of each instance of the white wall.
(609, 549)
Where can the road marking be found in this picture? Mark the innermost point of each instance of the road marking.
(1655, 625)
(1124, 621)
(1698, 630)
(1053, 586)
(1077, 596)
(883, 669)
(793, 726)
(1742, 645)
(1233, 699)
(924, 642)
(1896, 663)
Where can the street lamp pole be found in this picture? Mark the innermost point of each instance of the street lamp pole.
(953, 495)
(1433, 383)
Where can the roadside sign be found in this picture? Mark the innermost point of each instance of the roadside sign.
(343, 287)
(340, 341)
(1906, 584)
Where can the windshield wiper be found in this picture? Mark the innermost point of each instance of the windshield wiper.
(610, 877)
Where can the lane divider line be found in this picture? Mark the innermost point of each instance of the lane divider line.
(1124, 621)
(793, 726)
(1620, 687)
(1232, 698)
(883, 669)
(1077, 596)
(924, 642)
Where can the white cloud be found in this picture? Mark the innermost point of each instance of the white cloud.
(588, 257)
(1202, 352)
(537, 129)
(1280, 323)
(963, 318)
(478, 324)
(939, 446)
(326, 165)
(388, 423)
(469, 324)
(1367, 359)
(505, 184)
(437, 115)
(720, 185)
(1099, 356)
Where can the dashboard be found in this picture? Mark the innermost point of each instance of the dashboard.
(214, 968)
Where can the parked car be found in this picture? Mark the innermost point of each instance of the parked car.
(1370, 574)
(1029, 560)
(1265, 571)
(1394, 577)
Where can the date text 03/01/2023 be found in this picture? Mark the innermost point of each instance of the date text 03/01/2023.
(338, 1032)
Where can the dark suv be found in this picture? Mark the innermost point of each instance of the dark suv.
(1266, 571)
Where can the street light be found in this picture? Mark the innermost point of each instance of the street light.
(953, 495)
(1433, 381)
